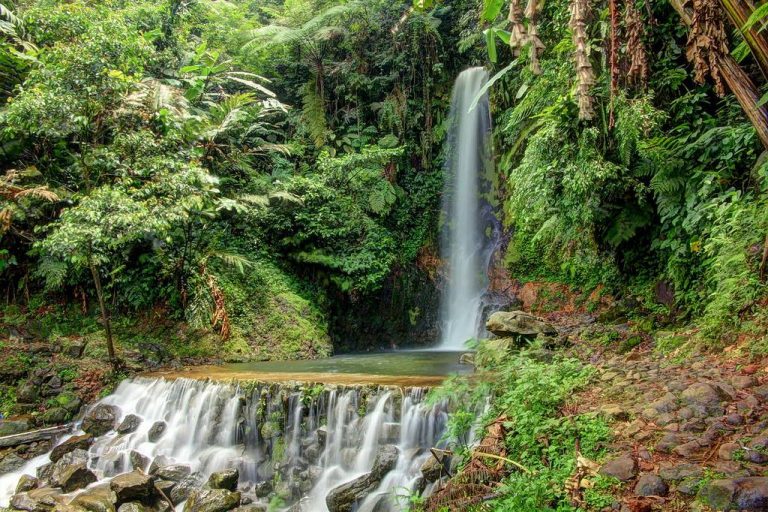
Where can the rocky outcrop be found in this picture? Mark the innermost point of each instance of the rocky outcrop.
(518, 323)
(175, 472)
(344, 497)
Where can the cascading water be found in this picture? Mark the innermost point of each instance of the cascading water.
(293, 441)
(463, 246)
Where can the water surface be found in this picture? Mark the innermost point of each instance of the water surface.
(401, 368)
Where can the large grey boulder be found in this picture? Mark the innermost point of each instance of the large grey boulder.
(518, 323)
(100, 420)
(344, 497)
(212, 500)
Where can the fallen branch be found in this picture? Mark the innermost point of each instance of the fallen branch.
(505, 459)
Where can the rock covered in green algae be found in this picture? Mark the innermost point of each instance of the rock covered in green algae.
(212, 500)
(518, 323)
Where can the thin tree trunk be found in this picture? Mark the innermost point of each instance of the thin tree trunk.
(104, 313)
(739, 83)
(739, 12)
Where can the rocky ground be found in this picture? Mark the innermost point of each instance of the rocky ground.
(690, 428)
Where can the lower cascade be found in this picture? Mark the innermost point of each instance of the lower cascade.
(311, 448)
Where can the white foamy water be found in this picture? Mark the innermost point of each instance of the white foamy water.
(462, 244)
(271, 433)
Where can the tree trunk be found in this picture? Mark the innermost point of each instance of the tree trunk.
(739, 12)
(739, 83)
(104, 313)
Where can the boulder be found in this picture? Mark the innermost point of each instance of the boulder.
(28, 393)
(159, 462)
(71, 477)
(623, 468)
(156, 431)
(96, 499)
(135, 485)
(100, 420)
(75, 348)
(517, 323)
(226, 479)
(27, 483)
(82, 442)
(129, 424)
(344, 497)
(185, 487)
(176, 473)
(212, 500)
(11, 462)
(138, 460)
(322, 435)
(37, 500)
(433, 468)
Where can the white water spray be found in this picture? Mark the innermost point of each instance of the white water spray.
(462, 244)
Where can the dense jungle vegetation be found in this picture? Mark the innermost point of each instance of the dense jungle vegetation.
(262, 179)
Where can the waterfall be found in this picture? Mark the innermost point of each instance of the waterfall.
(290, 440)
(463, 246)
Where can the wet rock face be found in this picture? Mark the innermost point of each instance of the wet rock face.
(97, 499)
(70, 477)
(517, 323)
(344, 497)
(185, 488)
(212, 500)
(100, 420)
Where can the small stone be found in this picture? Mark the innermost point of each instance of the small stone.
(761, 391)
(734, 420)
(688, 449)
(668, 443)
(651, 485)
(623, 468)
(727, 451)
(634, 427)
(680, 472)
(685, 413)
(743, 381)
